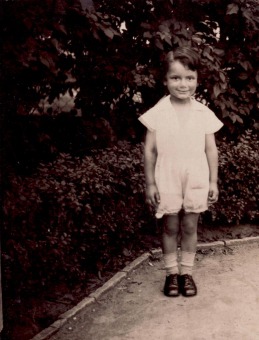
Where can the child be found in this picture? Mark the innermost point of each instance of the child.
(181, 166)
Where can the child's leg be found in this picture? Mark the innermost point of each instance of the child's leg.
(189, 232)
(188, 251)
(188, 242)
(171, 225)
(169, 243)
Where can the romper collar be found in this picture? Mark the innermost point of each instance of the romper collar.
(165, 102)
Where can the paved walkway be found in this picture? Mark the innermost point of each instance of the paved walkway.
(226, 307)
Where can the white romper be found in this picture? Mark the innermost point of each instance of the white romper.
(181, 171)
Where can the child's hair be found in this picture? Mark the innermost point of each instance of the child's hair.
(185, 55)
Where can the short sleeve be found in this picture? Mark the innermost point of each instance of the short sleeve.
(152, 117)
(211, 122)
(149, 119)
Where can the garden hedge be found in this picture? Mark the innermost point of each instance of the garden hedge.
(78, 214)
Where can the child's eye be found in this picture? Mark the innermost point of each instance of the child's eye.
(174, 78)
(190, 78)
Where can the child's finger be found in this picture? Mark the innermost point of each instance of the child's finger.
(211, 193)
(157, 198)
(149, 201)
(213, 196)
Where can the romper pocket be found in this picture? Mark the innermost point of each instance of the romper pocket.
(198, 175)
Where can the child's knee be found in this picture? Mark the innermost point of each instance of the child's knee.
(189, 229)
(171, 224)
(189, 225)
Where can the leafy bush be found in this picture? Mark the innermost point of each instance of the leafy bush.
(238, 180)
(78, 214)
(74, 214)
(116, 51)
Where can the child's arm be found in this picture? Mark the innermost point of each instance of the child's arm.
(212, 157)
(150, 156)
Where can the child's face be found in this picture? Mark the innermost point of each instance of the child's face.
(181, 81)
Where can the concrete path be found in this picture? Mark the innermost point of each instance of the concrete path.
(226, 307)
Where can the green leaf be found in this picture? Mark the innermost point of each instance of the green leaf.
(233, 117)
(196, 39)
(239, 119)
(222, 105)
(159, 44)
(168, 40)
(147, 35)
(96, 35)
(232, 9)
(219, 52)
(216, 90)
(55, 43)
(225, 113)
(247, 15)
(164, 28)
(243, 76)
(94, 17)
(109, 33)
(44, 61)
(246, 65)
(60, 28)
(146, 26)
(208, 55)
(222, 77)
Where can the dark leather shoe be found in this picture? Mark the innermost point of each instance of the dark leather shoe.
(171, 287)
(187, 285)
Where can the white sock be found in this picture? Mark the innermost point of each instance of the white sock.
(171, 264)
(187, 262)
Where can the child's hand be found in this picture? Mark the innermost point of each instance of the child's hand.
(152, 195)
(213, 193)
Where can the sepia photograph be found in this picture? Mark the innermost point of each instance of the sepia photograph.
(129, 170)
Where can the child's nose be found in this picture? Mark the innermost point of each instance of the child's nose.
(183, 82)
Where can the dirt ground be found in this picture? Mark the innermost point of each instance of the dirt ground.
(28, 316)
(226, 306)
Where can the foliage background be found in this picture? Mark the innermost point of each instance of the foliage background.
(86, 211)
(111, 57)
(72, 174)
